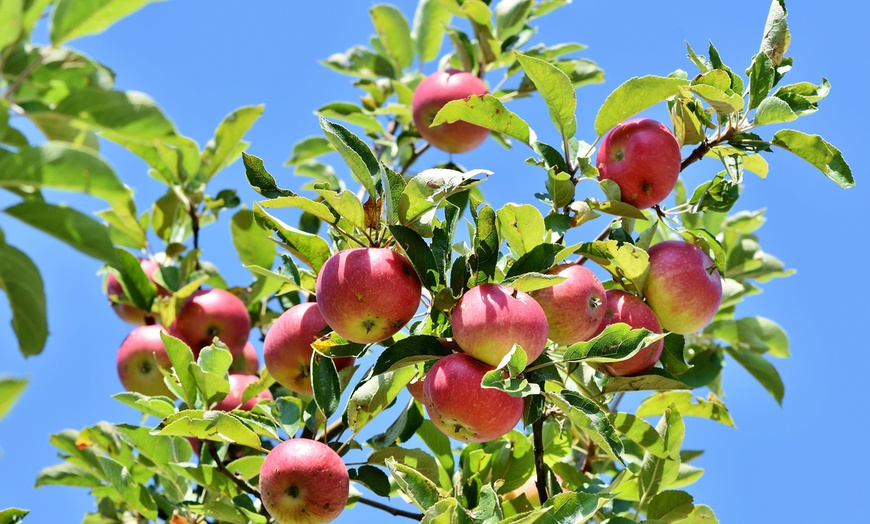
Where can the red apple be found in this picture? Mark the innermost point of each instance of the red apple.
(304, 481)
(627, 308)
(210, 313)
(684, 287)
(430, 96)
(248, 361)
(121, 305)
(643, 157)
(138, 359)
(287, 349)
(367, 294)
(490, 318)
(461, 408)
(233, 400)
(575, 306)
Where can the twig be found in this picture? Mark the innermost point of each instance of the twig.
(540, 474)
(242, 485)
(13, 87)
(413, 158)
(396, 512)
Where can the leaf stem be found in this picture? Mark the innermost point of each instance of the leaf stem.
(396, 512)
(13, 87)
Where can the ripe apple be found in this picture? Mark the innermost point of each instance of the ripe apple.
(303, 481)
(575, 306)
(627, 308)
(367, 294)
(210, 313)
(138, 359)
(248, 361)
(430, 96)
(490, 318)
(643, 157)
(287, 348)
(461, 408)
(233, 400)
(119, 302)
(684, 287)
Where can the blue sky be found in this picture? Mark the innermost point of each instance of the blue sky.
(201, 60)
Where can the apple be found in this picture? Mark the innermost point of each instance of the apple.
(303, 481)
(461, 408)
(432, 93)
(248, 361)
(287, 348)
(643, 157)
(575, 306)
(233, 400)
(621, 306)
(210, 313)
(139, 357)
(490, 318)
(368, 294)
(684, 287)
(120, 303)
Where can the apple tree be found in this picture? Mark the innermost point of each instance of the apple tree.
(516, 332)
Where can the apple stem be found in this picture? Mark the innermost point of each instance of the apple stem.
(396, 512)
(540, 473)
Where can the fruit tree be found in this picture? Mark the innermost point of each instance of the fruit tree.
(425, 352)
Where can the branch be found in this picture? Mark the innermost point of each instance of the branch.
(242, 485)
(413, 158)
(540, 473)
(396, 512)
(332, 431)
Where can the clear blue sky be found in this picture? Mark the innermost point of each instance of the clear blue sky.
(201, 60)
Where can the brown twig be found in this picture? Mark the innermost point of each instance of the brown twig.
(396, 512)
(540, 473)
(242, 485)
(413, 158)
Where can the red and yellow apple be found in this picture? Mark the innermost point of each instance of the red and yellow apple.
(490, 318)
(248, 361)
(575, 306)
(287, 348)
(624, 307)
(684, 287)
(461, 408)
(233, 400)
(431, 94)
(140, 356)
(210, 313)
(367, 295)
(643, 157)
(304, 481)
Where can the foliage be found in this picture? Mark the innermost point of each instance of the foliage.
(588, 460)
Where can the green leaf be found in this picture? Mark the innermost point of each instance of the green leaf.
(317, 209)
(422, 462)
(409, 351)
(489, 112)
(10, 390)
(574, 508)
(251, 241)
(325, 384)
(20, 279)
(360, 61)
(588, 417)
(394, 33)
(640, 432)
(74, 18)
(617, 342)
(653, 380)
(427, 189)
(376, 394)
(760, 368)
(160, 407)
(757, 333)
(76, 229)
(419, 489)
(356, 154)
(511, 16)
(137, 286)
(372, 478)
(438, 442)
(655, 472)
(67, 474)
(522, 226)
(761, 79)
(261, 180)
(486, 246)
(773, 110)
(700, 515)
(776, 37)
(224, 148)
(122, 116)
(347, 205)
(632, 97)
(209, 425)
(430, 20)
(181, 357)
(556, 89)
(419, 253)
(815, 150)
(310, 249)
(12, 515)
(718, 99)
(670, 506)
(309, 148)
(65, 167)
(288, 412)
(688, 404)
(11, 15)
(528, 282)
